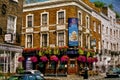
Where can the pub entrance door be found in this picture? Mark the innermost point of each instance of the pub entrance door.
(72, 66)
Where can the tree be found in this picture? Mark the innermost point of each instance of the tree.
(99, 4)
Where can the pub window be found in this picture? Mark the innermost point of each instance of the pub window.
(94, 24)
(61, 17)
(30, 21)
(44, 19)
(29, 41)
(79, 18)
(44, 40)
(87, 22)
(61, 39)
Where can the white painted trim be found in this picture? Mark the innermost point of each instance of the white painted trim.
(54, 6)
(47, 17)
(26, 40)
(47, 39)
(27, 19)
(81, 17)
(61, 10)
(88, 21)
(64, 37)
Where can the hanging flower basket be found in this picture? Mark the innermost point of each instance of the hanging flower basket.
(81, 59)
(54, 58)
(90, 60)
(21, 58)
(95, 59)
(64, 58)
(34, 59)
(43, 58)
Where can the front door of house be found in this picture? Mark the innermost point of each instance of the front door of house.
(72, 66)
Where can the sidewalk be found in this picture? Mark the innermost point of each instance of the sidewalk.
(75, 77)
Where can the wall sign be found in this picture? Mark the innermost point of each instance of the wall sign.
(73, 31)
(3, 10)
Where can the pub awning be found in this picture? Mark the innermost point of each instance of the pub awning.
(9, 47)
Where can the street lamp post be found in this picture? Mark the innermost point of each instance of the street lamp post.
(86, 66)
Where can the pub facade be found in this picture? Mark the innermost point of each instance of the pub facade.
(60, 37)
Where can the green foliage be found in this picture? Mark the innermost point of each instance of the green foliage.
(99, 4)
(117, 15)
(110, 6)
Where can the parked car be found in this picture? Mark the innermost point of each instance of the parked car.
(36, 72)
(113, 73)
(25, 77)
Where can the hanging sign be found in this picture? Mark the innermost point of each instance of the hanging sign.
(73, 31)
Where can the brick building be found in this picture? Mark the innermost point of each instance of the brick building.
(10, 30)
(46, 24)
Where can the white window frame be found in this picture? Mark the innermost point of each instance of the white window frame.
(80, 39)
(99, 29)
(14, 27)
(64, 16)
(94, 24)
(64, 37)
(27, 39)
(61, 40)
(15, 0)
(47, 39)
(79, 12)
(87, 21)
(47, 18)
(27, 20)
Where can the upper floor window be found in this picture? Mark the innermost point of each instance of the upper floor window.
(111, 32)
(29, 20)
(11, 24)
(44, 40)
(99, 28)
(79, 18)
(61, 39)
(87, 22)
(29, 41)
(94, 24)
(44, 20)
(61, 17)
(11, 27)
(106, 30)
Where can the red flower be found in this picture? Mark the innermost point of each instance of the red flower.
(21, 58)
(54, 58)
(81, 58)
(44, 58)
(90, 60)
(96, 59)
(34, 59)
(64, 58)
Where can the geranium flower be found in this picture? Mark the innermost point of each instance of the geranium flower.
(90, 60)
(81, 58)
(21, 58)
(54, 58)
(34, 59)
(64, 58)
(44, 58)
(96, 59)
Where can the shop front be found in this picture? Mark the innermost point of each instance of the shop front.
(9, 57)
(62, 60)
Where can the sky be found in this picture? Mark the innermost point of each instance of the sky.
(115, 3)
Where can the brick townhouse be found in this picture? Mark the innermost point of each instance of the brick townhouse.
(10, 30)
(46, 24)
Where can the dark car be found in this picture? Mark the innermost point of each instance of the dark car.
(113, 73)
(25, 77)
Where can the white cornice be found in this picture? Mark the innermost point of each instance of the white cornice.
(33, 8)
